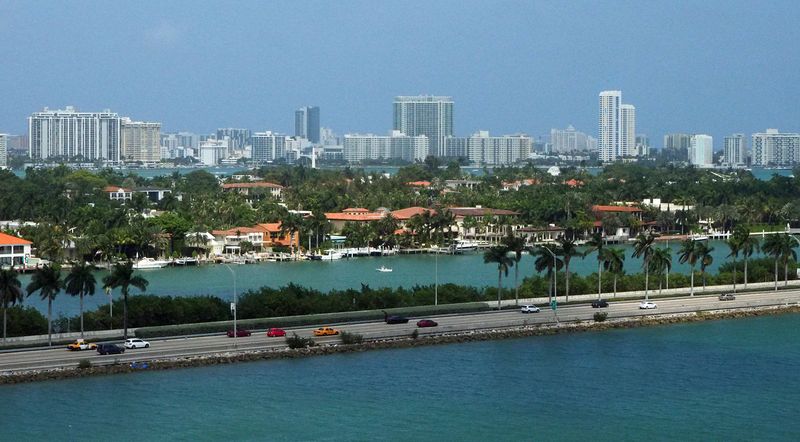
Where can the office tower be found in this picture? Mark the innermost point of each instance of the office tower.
(773, 148)
(306, 123)
(571, 140)
(140, 141)
(701, 150)
(608, 141)
(239, 137)
(480, 148)
(427, 115)
(359, 147)
(72, 135)
(735, 150)
(213, 151)
(677, 141)
(642, 145)
(3, 151)
(268, 147)
(627, 136)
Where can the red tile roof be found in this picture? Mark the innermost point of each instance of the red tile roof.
(269, 227)
(8, 240)
(480, 211)
(407, 213)
(598, 208)
(340, 216)
(242, 230)
(110, 189)
(355, 210)
(419, 184)
(573, 183)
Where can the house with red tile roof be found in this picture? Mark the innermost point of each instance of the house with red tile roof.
(255, 190)
(117, 193)
(14, 251)
(482, 223)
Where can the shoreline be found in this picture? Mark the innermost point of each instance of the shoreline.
(474, 335)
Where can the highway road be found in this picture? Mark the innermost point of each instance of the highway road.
(38, 358)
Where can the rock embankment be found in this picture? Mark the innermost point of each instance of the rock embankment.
(388, 343)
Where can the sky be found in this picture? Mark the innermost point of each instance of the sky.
(688, 66)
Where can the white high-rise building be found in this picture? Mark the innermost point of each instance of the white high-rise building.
(359, 147)
(268, 146)
(701, 151)
(427, 115)
(71, 135)
(627, 134)
(141, 141)
(735, 150)
(480, 148)
(608, 140)
(3, 151)
(642, 145)
(772, 148)
(213, 151)
(571, 140)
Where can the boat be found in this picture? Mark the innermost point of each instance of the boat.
(465, 246)
(331, 254)
(185, 261)
(149, 263)
(384, 269)
(699, 238)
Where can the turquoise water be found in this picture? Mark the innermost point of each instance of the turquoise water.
(721, 380)
(408, 270)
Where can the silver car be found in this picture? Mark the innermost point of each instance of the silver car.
(136, 343)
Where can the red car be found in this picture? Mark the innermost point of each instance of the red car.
(240, 333)
(427, 323)
(276, 332)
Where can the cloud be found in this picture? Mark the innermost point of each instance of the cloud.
(164, 34)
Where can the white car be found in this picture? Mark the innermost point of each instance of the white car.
(647, 305)
(136, 343)
(529, 309)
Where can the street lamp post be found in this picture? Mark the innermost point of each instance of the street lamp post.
(110, 309)
(436, 280)
(234, 304)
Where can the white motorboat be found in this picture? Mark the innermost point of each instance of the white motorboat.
(331, 254)
(699, 238)
(384, 269)
(465, 246)
(149, 263)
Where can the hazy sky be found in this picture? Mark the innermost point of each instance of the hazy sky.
(701, 66)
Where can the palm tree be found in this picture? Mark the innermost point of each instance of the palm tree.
(596, 244)
(47, 281)
(515, 245)
(567, 248)
(703, 252)
(499, 255)
(79, 282)
(614, 261)
(545, 261)
(10, 292)
(773, 247)
(688, 253)
(643, 247)
(735, 247)
(660, 263)
(291, 223)
(122, 276)
(748, 245)
(787, 251)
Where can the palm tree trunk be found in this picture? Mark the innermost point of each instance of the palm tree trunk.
(566, 288)
(49, 321)
(776, 275)
(4, 323)
(125, 312)
(703, 273)
(646, 282)
(691, 278)
(550, 287)
(499, 285)
(734, 275)
(81, 314)
(745, 273)
(615, 285)
(786, 273)
(516, 284)
(599, 279)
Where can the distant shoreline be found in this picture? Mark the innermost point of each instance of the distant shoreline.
(391, 343)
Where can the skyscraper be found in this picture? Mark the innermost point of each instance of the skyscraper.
(701, 151)
(609, 125)
(773, 148)
(571, 140)
(306, 123)
(140, 141)
(268, 146)
(239, 137)
(69, 134)
(735, 150)
(480, 148)
(627, 133)
(3, 150)
(677, 141)
(427, 115)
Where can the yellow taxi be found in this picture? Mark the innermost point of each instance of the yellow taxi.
(80, 344)
(326, 331)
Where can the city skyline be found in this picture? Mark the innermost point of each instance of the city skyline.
(363, 68)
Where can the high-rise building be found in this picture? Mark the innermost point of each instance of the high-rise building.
(480, 148)
(306, 123)
(140, 141)
(677, 141)
(608, 142)
(773, 148)
(239, 137)
(71, 135)
(735, 150)
(642, 145)
(570, 140)
(427, 115)
(627, 133)
(359, 147)
(212, 151)
(701, 150)
(268, 146)
(3, 151)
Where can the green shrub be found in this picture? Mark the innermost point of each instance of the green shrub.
(600, 316)
(84, 364)
(415, 334)
(351, 338)
(295, 341)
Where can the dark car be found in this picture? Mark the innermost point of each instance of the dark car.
(240, 333)
(394, 319)
(599, 303)
(110, 349)
(727, 297)
(427, 323)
